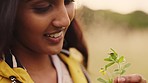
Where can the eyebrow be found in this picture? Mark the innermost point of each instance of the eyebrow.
(31, 0)
(28, 0)
(35, 0)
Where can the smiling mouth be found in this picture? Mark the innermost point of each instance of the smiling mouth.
(54, 35)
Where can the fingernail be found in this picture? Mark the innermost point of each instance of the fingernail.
(121, 79)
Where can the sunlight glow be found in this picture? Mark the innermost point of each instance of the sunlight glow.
(121, 6)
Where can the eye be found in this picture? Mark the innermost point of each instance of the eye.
(42, 8)
(66, 2)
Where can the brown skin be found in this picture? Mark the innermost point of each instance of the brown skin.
(133, 78)
(31, 47)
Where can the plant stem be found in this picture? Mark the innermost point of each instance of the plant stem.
(119, 67)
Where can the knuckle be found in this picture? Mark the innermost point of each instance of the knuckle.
(139, 78)
(144, 81)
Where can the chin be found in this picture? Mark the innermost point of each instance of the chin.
(54, 51)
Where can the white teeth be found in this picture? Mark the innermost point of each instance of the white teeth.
(55, 35)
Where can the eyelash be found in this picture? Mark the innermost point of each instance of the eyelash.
(68, 1)
(47, 8)
(43, 9)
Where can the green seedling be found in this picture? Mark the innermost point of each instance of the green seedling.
(120, 64)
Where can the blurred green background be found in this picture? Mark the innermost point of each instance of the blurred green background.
(125, 33)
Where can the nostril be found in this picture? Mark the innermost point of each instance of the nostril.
(61, 21)
(61, 17)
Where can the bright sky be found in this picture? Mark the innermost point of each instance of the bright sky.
(122, 6)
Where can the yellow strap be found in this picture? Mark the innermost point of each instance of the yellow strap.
(75, 69)
(19, 73)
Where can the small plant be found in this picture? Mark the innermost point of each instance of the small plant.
(119, 62)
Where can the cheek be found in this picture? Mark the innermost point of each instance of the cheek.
(33, 23)
(71, 10)
(30, 28)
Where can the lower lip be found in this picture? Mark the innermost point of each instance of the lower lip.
(55, 40)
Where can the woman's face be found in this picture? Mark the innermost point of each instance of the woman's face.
(41, 24)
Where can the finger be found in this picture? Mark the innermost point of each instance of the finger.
(143, 81)
(116, 80)
(134, 78)
(121, 80)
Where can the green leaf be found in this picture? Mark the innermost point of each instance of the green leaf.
(126, 65)
(116, 70)
(108, 65)
(113, 56)
(121, 59)
(110, 81)
(102, 80)
(108, 59)
(114, 52)
(123, 71)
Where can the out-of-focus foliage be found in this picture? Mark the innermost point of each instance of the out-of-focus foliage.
(137, 19)
(120, 69)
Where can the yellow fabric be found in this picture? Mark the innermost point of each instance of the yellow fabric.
(75, 69)
(19, 73)
(74, 53)
(22, 75)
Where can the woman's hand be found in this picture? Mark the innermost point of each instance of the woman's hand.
(134, 78)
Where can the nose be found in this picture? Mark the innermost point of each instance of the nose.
(62, 18)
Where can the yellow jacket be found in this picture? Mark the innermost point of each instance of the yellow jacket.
(19, 75)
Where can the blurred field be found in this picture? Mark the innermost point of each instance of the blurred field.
(132, 43)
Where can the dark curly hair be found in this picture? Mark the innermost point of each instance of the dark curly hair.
(8, 9)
